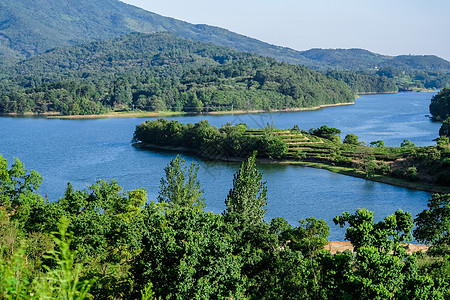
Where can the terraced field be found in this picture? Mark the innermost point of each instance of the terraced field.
(300, 145)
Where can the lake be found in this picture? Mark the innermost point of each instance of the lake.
(83, 151)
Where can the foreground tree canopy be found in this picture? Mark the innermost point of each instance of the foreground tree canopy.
(106, 243)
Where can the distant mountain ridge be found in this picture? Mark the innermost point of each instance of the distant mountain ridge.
(360, 59)
(30, 27)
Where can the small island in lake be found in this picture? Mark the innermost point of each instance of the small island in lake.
(423, 168)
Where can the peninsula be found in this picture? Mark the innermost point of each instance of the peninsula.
(421, 168)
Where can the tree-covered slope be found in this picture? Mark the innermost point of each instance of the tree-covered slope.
(440, 105)
(360, 59)
(365, 83)
(30, 27)
(381, 73)
(161, 72)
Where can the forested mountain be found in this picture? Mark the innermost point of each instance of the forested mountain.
(381, 73)
(365, 83)
(30, 27)
(159, 72)
(360, 59)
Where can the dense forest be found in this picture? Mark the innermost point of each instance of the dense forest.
(440, 105)
(417, 165)
(30, 28)
(365, 83)
(106, 243)
(161, 72)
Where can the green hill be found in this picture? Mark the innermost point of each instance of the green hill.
(31, 27)
(360, 59)
(161, 72)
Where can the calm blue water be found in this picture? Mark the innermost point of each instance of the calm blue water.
(82, 151)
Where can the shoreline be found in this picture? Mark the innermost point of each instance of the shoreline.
(398, 92)
(418, 186)
(152, 114)
(149, 114)
(348, 171)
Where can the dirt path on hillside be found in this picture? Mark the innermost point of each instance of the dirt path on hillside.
(333, 247)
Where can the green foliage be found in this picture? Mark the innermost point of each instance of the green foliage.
(444, 131)
(17, 185)
(351, 139)
(113, 244)
(65, 280)
(155, 72)
(442, 141)
(61, 277)
(106, 222)
(382, 269)
(272, 145)
(407, 143)
(427, 164)
(326, 132)
(386, 235)
(186, 255)
(378, 143)
(370, 166)
(180, 186)
(440, 105)
(411, 173)
(208, 141)
(246, 199)
(433, 224)
(365, 83)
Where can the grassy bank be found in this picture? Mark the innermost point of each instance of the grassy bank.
(349, 171)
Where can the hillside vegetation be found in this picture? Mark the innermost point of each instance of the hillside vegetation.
(31, 27)
(161, 72)
(440, 105)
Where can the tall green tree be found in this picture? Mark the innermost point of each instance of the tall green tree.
(250, 235)
(180, 187)
(246, 200)
(433, 224)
